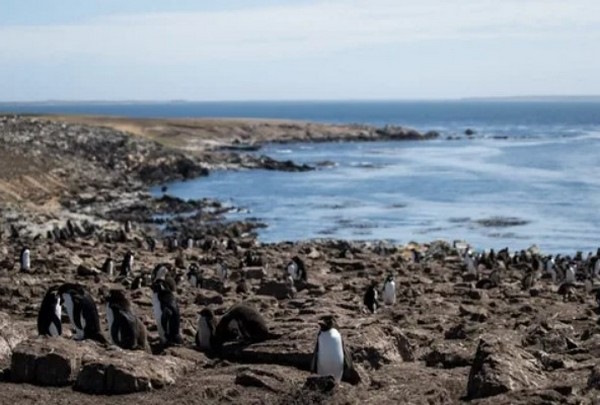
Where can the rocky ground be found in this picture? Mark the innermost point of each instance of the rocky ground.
(444, 341)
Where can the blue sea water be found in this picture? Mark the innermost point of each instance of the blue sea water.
(536, 163)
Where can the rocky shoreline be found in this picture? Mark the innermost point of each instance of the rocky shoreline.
(69, 186)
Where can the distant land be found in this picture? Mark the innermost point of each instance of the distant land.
(534, 98)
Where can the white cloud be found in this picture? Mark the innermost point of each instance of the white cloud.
(290, 31)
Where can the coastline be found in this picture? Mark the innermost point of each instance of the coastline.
(96, 171)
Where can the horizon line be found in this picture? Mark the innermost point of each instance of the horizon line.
(365, 100)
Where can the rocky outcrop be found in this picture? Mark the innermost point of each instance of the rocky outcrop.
(92, 368)
(500, 366)
(11, 334)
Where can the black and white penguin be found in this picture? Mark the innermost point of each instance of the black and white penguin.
(222, 271)
(49, 322)
(127, 264)
(330, 357)
(108, 267)
(82, 312)
(207, 326)
(296, 269)
(194, 276)
(25, 259)
(162, 272)
(166, 313)
(128, 226)
(189, 243)
(370, 298)
(244, 323)
(389, 290)
(125, 329)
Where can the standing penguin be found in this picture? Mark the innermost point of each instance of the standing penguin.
(223, 271)
(330, 357)
(207, 325)
(25, 259)
(570, 274)
(166, 313)
(370, 298)
(389, 290)
(296, 269)
(124, 327)
(194, 276)
(48, 322)
(108, 267)
(82, 312)
(127, 264)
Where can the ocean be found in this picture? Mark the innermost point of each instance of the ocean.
(529, 175)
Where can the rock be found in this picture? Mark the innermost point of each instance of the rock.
(259, 379)
(275, 289)
(593, 381)
(448, 357)
(254, 273)
(500, 366)
(475, 314)
(85, 271)
(320, 383)
(470, 132)
(208, 299)
(48, 361)
(11, 334)
(124, 372)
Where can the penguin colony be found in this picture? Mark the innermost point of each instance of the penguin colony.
(246, 325)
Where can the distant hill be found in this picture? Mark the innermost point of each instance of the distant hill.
(552, 99)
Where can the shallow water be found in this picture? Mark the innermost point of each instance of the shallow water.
(543, 190)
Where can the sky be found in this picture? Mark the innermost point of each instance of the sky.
(297, 50)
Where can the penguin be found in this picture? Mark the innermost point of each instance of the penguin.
(207, 325)
(470, 263)
(49, 321)
(597, 267)
(151, 244)
(223, 271)
(570, 274)
(127, 264)
(194, 276)
(246, 323)
(161, 272)
(25, 259)
(82, 312)
(166, 313)
(330, 357)
(190, 243)
(242, 286)
(370, 298)
(296, 269)
(124, 327)
(108, 267)
(389, 290)
(128, 226)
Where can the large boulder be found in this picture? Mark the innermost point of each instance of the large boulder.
(11, 334)
(500, 366)
(48, 361)
(92, 368)
(124, 372)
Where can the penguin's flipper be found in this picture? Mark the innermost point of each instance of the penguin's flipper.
(170, 324)
(349, 374)
(313, 363)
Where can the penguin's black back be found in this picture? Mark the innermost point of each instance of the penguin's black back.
(170, 316)
(370, 300)
(250, 322)
(86, 307)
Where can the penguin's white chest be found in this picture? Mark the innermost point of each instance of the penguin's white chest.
(193, 281)
(26, 260)
(157, 309)
(597, 268)
(389, 293)
(570, 276)
(470, 265)
(203, 333)
(53, 325)
(330, 356)
(292, 270)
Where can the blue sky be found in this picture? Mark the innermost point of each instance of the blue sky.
(291, 50)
